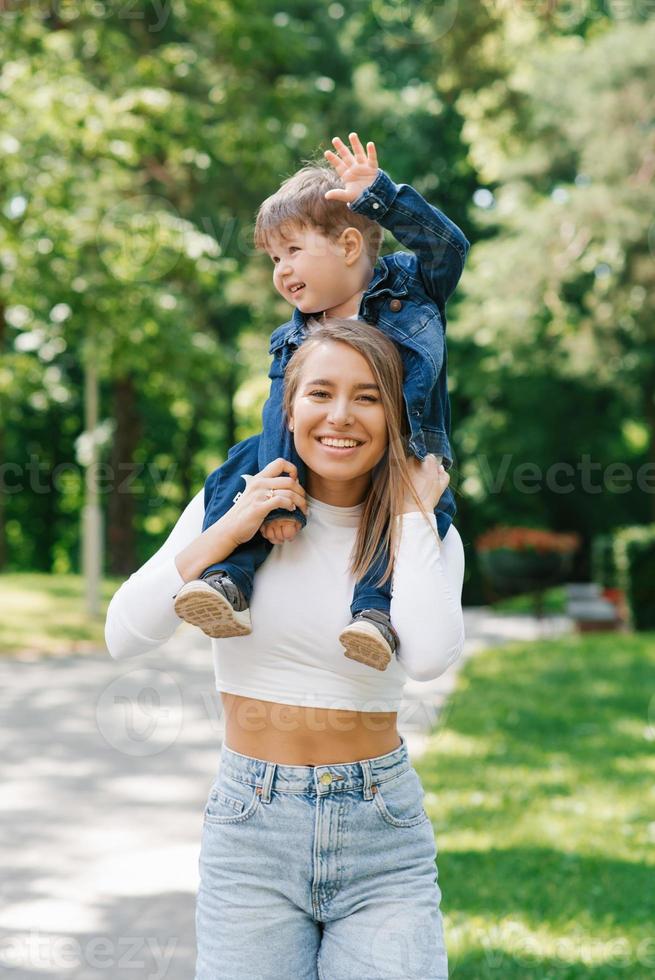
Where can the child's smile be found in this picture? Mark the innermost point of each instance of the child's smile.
(315, 273)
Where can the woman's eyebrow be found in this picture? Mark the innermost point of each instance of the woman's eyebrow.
(330, 384)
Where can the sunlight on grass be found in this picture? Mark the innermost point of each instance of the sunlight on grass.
(46, 614)
(539, 782)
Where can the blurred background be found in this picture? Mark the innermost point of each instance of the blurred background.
(136, 143)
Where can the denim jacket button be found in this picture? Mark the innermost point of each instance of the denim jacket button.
(376, 205)
(395, 305)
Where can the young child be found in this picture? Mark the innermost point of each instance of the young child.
(323, 232)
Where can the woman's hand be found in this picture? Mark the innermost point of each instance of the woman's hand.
(429, 479)
(243, 520)
(246, 516)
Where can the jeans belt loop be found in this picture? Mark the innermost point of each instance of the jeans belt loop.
(265, 791)
(369, 789)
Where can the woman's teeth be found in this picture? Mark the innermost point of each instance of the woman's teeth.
(339, 443)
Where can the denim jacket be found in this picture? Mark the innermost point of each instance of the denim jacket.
(406, 299)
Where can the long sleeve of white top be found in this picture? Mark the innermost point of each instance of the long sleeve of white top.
(425, 607)
(141, 616)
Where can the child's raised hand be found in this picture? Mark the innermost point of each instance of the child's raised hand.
(357, 169)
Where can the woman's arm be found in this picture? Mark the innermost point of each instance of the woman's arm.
(141, 615)
(426, 600)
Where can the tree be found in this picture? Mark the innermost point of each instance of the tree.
(564, 288)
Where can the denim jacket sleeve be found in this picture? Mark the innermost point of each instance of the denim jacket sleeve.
(439, 245)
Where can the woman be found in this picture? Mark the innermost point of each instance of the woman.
(317, 857)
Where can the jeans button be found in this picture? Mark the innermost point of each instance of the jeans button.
(326, 778)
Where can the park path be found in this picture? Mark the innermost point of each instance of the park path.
(105, 767)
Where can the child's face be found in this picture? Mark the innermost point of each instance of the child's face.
(310, 270)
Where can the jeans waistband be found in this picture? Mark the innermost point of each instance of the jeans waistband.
(334, 777)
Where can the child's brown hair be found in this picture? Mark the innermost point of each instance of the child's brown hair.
(300, 200)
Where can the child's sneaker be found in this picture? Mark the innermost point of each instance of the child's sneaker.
(216, 605)
(370, 638)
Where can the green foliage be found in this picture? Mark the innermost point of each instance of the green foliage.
(603, 562)
(136, 149)
(634, 551)
(551, 350)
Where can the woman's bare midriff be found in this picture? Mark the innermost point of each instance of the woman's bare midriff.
(294, 735)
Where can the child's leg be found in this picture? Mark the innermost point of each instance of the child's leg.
(366, 594)
(445, 512)
(277, 442)
(221, 488)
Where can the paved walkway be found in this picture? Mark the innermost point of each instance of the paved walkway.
(105, 768)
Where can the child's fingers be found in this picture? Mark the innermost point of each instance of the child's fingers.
(372, 154)
(335, 161)
(337, 195)
(358, 149)
(343, 151)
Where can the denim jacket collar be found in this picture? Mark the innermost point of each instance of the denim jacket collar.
(389, 278)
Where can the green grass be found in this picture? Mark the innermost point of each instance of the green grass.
(45, 614)
(539, 781)
(554, 602)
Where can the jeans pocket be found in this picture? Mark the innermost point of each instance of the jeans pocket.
(231, 801)
(399, 800)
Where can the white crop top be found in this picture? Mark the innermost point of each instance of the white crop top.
(300, 603)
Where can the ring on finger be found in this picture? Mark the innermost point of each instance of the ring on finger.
(270, 494)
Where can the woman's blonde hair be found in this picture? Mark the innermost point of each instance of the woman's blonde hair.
(390, 476)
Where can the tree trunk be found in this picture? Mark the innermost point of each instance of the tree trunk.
(3, 534)
(649, 397)
(190, 446)
(230, 417)
(121, 537)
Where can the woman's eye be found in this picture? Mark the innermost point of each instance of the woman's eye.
(294, 248)
(318, 394)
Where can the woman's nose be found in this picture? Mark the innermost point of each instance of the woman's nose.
(340, 413)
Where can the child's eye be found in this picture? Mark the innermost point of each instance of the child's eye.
(312, 394)
(369, 398)
(275, 259)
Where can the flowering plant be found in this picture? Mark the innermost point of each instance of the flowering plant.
(527, 539)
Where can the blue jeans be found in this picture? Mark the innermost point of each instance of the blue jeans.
(221, 488)
(318, 873)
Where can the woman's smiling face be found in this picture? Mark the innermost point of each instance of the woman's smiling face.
(338, 422)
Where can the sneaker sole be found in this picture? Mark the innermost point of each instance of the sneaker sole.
(202, 606)
(365, 644)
